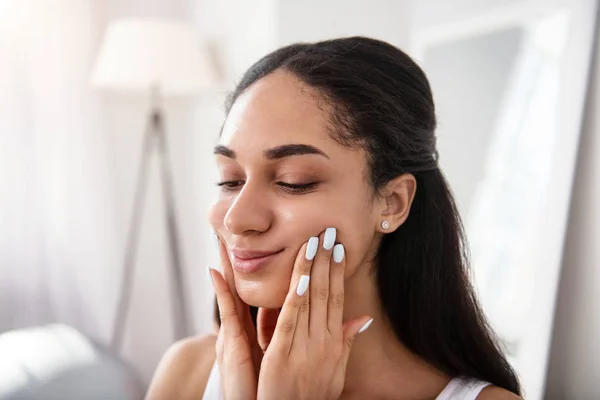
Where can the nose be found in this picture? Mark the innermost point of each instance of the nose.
(249, 212)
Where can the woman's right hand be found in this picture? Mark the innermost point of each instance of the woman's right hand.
(239, 348)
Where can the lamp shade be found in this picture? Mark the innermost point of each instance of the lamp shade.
(142, 53)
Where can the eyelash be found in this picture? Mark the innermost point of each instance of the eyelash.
(230, 186)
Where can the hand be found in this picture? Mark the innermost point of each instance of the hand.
(309, 351)
(239, 347)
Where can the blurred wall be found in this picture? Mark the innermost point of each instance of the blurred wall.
(574, 368)
(312, 20)
(479, 70)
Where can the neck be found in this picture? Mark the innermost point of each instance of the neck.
(380, 366)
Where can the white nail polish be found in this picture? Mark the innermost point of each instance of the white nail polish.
(302, 285)
(311, 248)
(338, 253)
(329, 238)
(365, 326)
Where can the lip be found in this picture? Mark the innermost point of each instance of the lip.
(250, 261)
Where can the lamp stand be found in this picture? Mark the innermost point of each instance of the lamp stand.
(154, 138)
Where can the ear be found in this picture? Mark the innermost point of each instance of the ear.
(396, 200)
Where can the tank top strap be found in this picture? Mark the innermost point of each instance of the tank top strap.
(462, 389)
(213, 389)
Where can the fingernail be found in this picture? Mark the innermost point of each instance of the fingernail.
(365, 326)
(329, 238)
(302, 285)
(210, 268)
(338, 253)
(217, 268)
(311, 248)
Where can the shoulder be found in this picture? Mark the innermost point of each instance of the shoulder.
(191, 350)
(184, 369)
(497, 393)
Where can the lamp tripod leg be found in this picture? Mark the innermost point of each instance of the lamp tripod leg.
(132, 239)
(181, 317)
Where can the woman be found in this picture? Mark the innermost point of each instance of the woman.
(334, 217)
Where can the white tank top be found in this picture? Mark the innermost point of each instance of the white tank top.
(457, 389)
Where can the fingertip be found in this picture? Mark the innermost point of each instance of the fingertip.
(311, 248)
(215, 274)
(338, 253)
(302, 285)
(365, 326)
(210, 268)
(211, 272)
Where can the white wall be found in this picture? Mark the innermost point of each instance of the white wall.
(479, 68)
(574, 370)
(313, 20)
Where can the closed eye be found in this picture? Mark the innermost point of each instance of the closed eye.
(294, 188)
(298, 188)
(229, 185)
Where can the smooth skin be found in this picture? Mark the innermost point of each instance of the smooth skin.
(258, 208)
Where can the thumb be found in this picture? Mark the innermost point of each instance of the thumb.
(266, 322)
(351, 330)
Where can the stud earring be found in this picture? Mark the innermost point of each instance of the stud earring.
(385, 224)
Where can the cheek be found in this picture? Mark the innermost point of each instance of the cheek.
(216, 214)
(356, 234)
(352, 218)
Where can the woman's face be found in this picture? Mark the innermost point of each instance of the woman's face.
(284, 179)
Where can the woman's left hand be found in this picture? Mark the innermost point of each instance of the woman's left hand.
(308, 353)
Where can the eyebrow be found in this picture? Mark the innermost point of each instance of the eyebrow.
(276, 153)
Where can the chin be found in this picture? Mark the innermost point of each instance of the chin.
(262, 294)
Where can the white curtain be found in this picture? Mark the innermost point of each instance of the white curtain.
(56, 236)
(68, 159)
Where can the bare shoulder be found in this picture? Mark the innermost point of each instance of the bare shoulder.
(184, 369)
(497, 393)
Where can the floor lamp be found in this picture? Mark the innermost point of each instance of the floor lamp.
(163, 59)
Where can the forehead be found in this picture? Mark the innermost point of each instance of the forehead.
(278, 109)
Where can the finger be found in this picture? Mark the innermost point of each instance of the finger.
(319, 287)
(266, 322)
(291, 315)
(351, 330)
(241, 307)
(303, 267)
(219, 347)
(230, 322)
(228, 274)
(335, 311)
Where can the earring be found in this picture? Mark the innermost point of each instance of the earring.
(385, 224)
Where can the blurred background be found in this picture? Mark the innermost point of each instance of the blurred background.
(108, 114)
